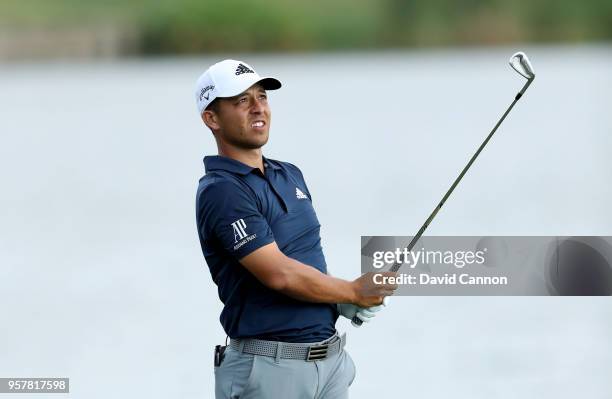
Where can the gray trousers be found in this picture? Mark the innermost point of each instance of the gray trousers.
(247, 376)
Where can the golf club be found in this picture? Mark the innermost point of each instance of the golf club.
(520, 63)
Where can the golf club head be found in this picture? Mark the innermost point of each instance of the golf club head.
(520, 63)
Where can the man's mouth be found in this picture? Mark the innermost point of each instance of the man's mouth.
(258, 124)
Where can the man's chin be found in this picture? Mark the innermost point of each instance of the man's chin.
(259, 140)
(252, 144)
(249, 141)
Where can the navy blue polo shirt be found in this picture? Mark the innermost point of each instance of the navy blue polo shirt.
(238, 210)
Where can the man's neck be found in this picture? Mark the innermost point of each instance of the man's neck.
(253, 158)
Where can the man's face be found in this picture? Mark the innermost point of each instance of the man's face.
(242, 121)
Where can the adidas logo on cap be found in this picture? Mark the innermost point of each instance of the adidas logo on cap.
(243, 69)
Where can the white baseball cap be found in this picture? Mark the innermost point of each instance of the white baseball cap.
(228, 78)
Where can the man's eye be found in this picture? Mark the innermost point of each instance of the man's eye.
(242, 100)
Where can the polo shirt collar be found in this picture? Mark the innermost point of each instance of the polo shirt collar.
(219, 162)
(271, 163)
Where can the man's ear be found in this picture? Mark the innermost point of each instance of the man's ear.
(210, 119)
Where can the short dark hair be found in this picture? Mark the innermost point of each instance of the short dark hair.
(213, 106)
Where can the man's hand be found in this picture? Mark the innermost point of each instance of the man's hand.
(368, 294)
(349, 311)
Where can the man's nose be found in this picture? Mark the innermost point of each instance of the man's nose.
(257, 106)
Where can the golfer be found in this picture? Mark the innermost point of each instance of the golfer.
(260, 237)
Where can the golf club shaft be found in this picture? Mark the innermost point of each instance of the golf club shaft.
(416, 238)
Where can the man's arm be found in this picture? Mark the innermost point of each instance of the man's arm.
(300, 281)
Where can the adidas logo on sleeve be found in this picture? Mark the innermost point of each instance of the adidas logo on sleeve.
(299, 194)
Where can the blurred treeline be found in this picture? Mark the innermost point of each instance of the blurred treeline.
(193, 26)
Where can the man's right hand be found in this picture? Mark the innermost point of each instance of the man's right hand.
(368, 294)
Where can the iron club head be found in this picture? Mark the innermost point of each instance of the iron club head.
(520, 63)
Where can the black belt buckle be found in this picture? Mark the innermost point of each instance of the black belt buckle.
(318, 352)
(219, 354)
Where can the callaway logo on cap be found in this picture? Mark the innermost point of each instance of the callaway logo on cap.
(228, 78)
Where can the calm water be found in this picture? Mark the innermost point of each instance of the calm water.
(102, 279)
